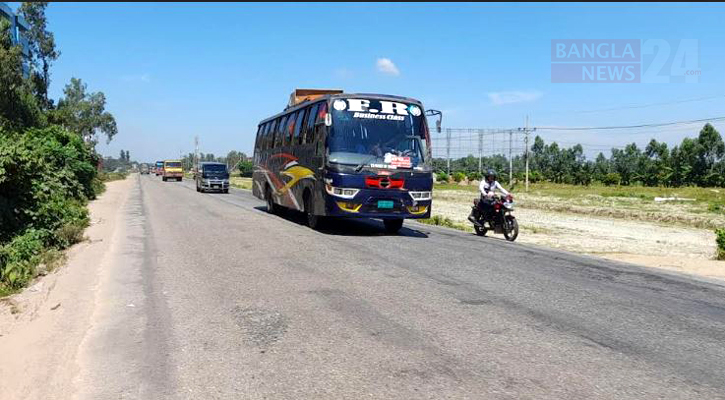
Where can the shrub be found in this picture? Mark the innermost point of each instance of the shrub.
(720, 240)
(245, 168)
(19, 258)
(442, 177)
(458, 177)
(611, 179)
(475, 176)
(47, 177)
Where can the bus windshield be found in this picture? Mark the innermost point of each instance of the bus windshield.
(173, 164)
(377, 133)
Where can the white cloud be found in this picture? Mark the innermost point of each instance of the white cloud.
(386, 66)
(512, 97)
(137, 78)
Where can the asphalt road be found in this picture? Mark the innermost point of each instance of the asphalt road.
(219, 299)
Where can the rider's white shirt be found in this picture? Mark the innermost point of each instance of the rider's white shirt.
(486, 187)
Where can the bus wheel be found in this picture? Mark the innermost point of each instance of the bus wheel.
(313, 221)
(270, 201)
(393, 225)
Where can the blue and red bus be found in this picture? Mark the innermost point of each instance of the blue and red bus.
(346, 155)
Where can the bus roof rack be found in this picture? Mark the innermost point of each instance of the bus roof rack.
(302, 95)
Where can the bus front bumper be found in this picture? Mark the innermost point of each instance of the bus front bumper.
(385, 204)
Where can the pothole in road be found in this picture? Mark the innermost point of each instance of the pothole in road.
(260, 327)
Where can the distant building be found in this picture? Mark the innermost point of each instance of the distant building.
(18, 32)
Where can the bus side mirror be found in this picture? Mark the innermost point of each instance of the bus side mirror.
(328, 119)
(438, 126)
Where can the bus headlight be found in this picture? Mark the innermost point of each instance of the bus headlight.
(345, 193)
(421, 196)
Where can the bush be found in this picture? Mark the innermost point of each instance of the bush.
(611, 179)
(19, 258)
(458, 177)
(442, 177)
(47, 177)
(245, 168)
(720, 240)
(475, 176)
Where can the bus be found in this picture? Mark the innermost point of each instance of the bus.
(159, 168)
(346, 155)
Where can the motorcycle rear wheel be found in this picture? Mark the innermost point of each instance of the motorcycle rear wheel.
(511, 230)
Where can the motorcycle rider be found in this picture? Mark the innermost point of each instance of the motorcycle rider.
(488, 188)
(489, 185)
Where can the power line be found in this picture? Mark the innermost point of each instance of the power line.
(640, 106)
(655, 125)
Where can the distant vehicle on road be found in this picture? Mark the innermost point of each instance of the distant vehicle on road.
(332, 154)
(159, 168)
(212, 176)
(172, 170)
(144, 169)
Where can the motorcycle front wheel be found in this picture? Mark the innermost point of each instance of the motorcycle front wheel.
(480, 230)
(511, 230)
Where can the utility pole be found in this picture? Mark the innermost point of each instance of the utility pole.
(526, 130)
(196, 152)
(480, 151)
(448, 149)
(511, 160)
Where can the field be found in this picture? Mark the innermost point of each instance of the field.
(240, 183)
(621, 223)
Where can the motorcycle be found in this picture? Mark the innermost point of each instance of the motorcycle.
(494, 214)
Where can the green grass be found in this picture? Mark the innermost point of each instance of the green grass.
(112, 176)
(241, 183)
(446, 222)
(707, 195)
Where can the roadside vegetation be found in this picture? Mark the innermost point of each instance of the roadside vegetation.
(240, 182)
(48, 163)
(720, 239)
(698, 161)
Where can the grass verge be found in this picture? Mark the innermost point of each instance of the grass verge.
(446, 222)
(241, 183)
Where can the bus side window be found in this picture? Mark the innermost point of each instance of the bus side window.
(290, 128)
(268, 134)
(263, 144)
(298, 126)
(279, 132)
(271, 130)
(310, 125)
(320, 119)
(259, 135)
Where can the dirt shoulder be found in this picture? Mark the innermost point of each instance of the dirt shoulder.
(41, 328)
(667, 245)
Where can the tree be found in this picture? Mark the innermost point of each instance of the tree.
(624, 162)
(128, 156)
(85, 113)
(711, 149)
(18, 108)
(245, 167)
(42, 48)
(122, 157)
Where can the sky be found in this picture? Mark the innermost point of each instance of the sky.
(173, 71)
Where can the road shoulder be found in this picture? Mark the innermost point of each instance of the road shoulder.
(41, 328)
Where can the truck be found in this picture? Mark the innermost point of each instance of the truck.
(172, 170)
